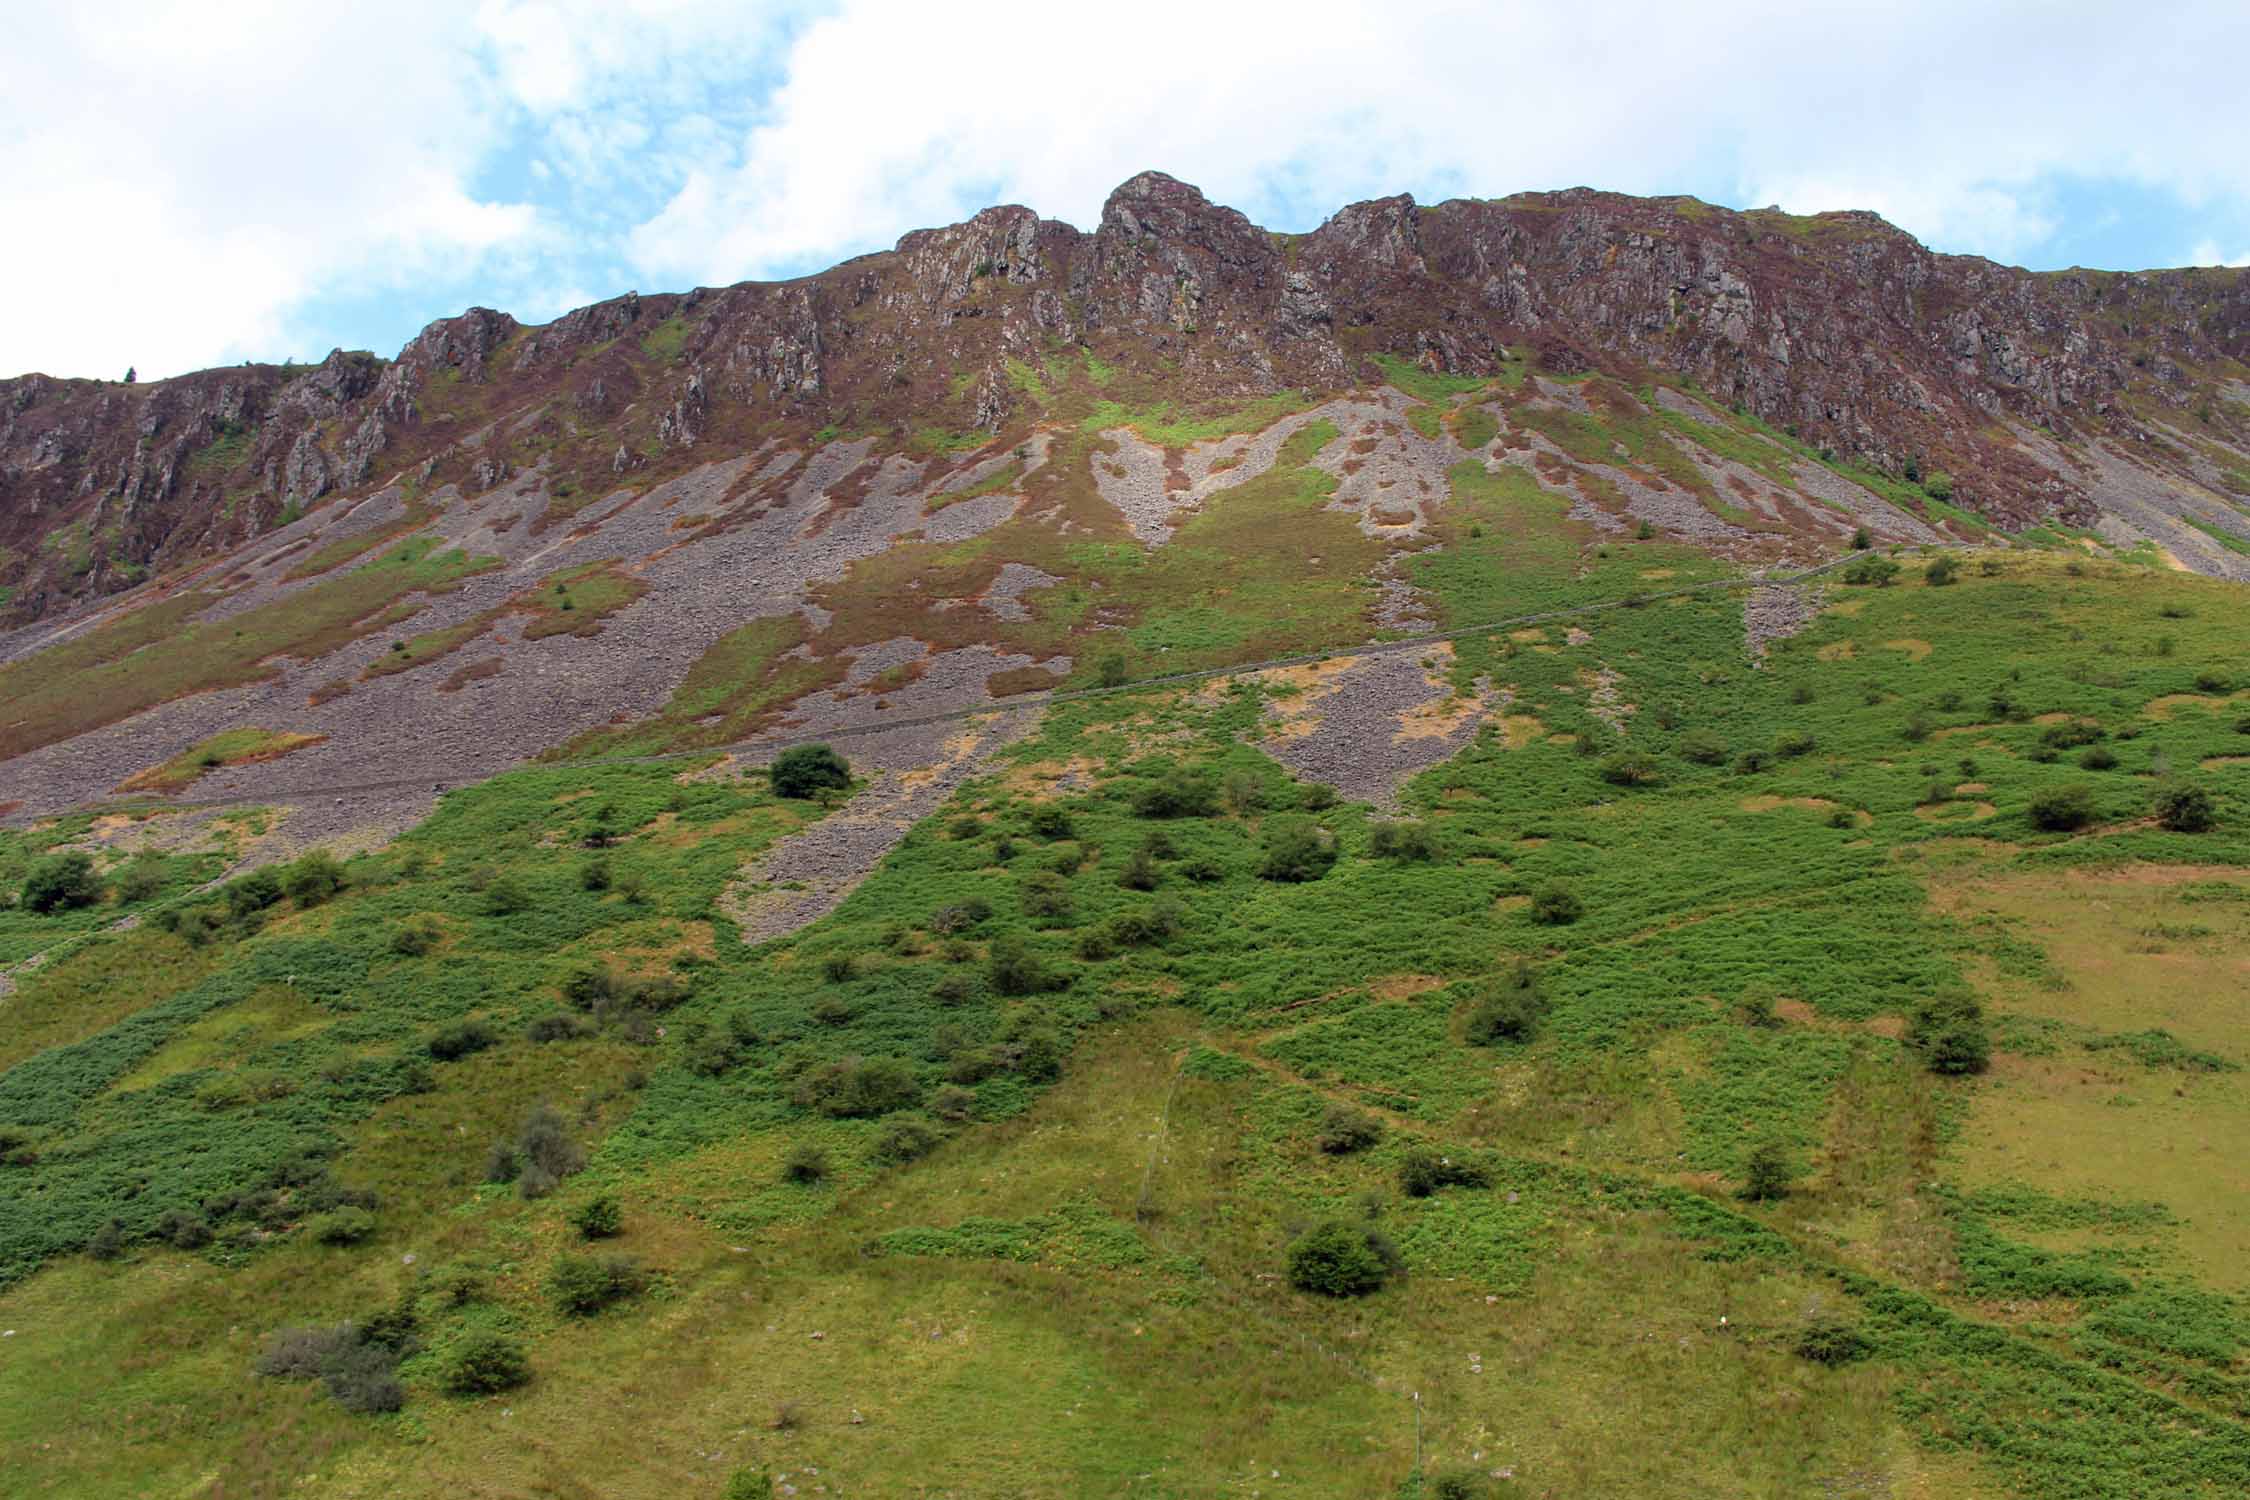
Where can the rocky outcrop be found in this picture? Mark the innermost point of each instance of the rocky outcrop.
(1838, 327)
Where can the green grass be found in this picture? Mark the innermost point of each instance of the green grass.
(2232, 541)
(229, 747)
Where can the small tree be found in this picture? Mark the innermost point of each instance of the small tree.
(1767, 1172)
(1556, 905)
(598, 1218)
(807, 770)
(1941, 572)
(1861, 540)
(1948, 1032)
(314, 878)
(1296, 849)
(484, 1362)
(1338, 1260)
(1344, 1130)
(582, 1285)
(2185, 808)
(61, 882)
(2063, 808)
(132, 374)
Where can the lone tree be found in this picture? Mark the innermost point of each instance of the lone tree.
(808, 770)
(62, 881)
(131, 375)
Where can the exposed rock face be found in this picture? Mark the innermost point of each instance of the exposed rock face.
(1839, 327)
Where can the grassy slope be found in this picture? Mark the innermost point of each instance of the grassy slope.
(1077, 1292)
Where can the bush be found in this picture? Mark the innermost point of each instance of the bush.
(805, 1165)
(363, 1378)
(1403, 841)
(61, 882)
(2061, 809)
(416, 936)
(583, 1284)
(1463, 1484)
(1556, 905)
(459, 1041)
(1875, 572)
(1702, 747)
(140, 880)
(2183, 808)
(1203, 870)
(2098, 758)
(1296, 849)
(904, 1138)
(543, 1152)
(1315, 796)
(598, 1218)
(1423, 1172)
(2211, 682)
(302, 1353)
(483, 1362)
(314, 878)
(1140, 872)
(1941, 572)
(808, 770)
(1111, 671)
(1013, 969)
(748, 1484)
(1948, 1032)
(1344, 1130)
(2070, 734)
(506, 896)
(1044, 894)
(1177, 795)
(953, 1103)
(1794, 743)
(554, 1027)
(1861, 540)
(961, 916)
(343, 1226)
(1751, 762)
(1509, 1016)
(1050, 821)
(1767, 1172)
(1828, 1341)
(1339, 1260)
(1628, 768)
(859, 1087)
(184, 1229)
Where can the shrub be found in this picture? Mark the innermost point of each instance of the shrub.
(483, 1362)
(1339, 1260)
(859, 1087)
(1948, 1032)
(1861, 541)
(832, 1010)
(1316, 796)
(1013, 969)
(61, 882)
(544, 1152)
(954, 988)
(1628, 768)
(302, 1353)
(506, 896)
(1423, 1172)
(808, 770)
(1702, 747)
(2098, 758)
(1751, 762)
(1044, 894)
(1344, 1130)
(1111, 671)
(1462, 1483)
(459, 1041)
(140, 880)
(953, 1103)
(1794, 743)
(343, 1226)
(416, 936)
(1050, 821)
(1829, 1341)
(1140, 872)
(1296, 849)
(1941, 572)
(553, 1027)
(1556, 905)
(904, 1138)
(1203, 870)
(2211, 682)
(1177, 795)
(598, 1218)
(1403, 841)
(583, 1284)
(1512, 1015)
(1875, 572)
(2061, 809)
(1767, 1172)
(805, 1165)
(184, 1229)
(748, 1484)
(961, 916)
(314, 878)
(2184, 808)
(2070, 734)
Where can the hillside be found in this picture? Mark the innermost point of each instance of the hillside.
(1498, 817)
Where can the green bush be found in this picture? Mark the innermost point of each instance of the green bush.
(61, 882)
(1013, 969)
(416, 936)
(1422, 1172)
(1111, 671)
(1629, 768)
(1767, 1172)
(342, 1226)
(1050, 821)
(805, 1165)
(1861, 540)
(1794, 742)
(540, 1157)
(460, 1040)
(806, 771)
(1948, 1032)
(1830, 1341)
(1509, 1016)
(1556, 905)
(2070, 734)
(1344, 1130)
(140, 880)
(1339, 1260)
(2063, 808)
(1941, 572)
(2098, 758)
(859, 1087)
(1403, 841)
(2184, 808)
(1702, 747)
(598, 1218)
(1295, 849)
(1874, 572)
(314, 878)
(483, 1362)
(1179, 794)
(904, 1138)
(582, 1285)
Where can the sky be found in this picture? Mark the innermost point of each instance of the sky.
(187, 185)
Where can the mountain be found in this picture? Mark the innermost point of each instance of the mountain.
(1563, 846)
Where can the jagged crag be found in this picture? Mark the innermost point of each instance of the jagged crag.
(1838, 327)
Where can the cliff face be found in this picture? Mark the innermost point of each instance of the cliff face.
(1838, 327)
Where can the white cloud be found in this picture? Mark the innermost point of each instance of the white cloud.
(1945, 117)
(2207, 253)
